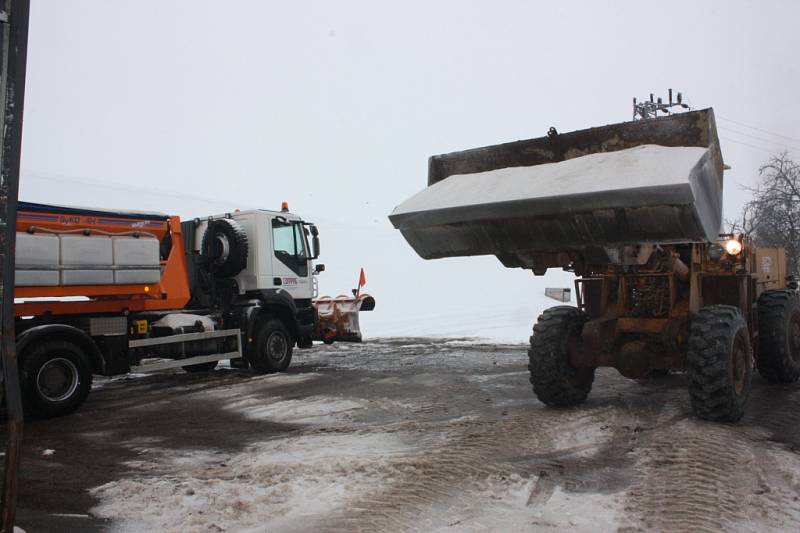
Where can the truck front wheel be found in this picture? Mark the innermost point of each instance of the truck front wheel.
(272, 351)
(56, 378)
(555, 381)
(720, 363)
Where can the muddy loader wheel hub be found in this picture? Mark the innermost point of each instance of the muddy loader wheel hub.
(57, 379)
(738, 366)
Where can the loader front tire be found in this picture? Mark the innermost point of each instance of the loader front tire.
(779, 336)
(720, 363)
(555, 381)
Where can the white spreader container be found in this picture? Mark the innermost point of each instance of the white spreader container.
(86, 260)
(136, 260)
(36, 260)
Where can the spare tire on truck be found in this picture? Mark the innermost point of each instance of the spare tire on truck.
(225, 245)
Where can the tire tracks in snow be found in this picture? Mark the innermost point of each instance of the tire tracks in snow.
(701, 476)
(437, 485)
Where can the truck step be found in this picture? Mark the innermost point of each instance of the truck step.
(179, 363)
(185, 337)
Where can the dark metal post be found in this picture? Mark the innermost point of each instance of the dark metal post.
(14, 31)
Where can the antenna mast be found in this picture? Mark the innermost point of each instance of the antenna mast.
(650, 108)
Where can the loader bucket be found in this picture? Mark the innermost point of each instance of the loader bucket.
(574, 194)
(337, 318)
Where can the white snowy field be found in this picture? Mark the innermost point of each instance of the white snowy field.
(498, 322)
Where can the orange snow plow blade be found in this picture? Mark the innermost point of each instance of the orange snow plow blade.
(337, 318)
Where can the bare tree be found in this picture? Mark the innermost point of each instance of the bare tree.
(772, 217)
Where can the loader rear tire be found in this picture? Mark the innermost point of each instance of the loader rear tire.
(779, 336)
(720, 363)
(556, 382)
(225, 245)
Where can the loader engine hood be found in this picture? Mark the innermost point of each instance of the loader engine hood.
(580, 194)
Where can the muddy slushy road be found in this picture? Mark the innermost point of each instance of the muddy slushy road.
(408, 435)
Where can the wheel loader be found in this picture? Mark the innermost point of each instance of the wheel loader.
(634, 211)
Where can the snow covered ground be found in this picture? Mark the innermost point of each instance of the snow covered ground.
(408, 434)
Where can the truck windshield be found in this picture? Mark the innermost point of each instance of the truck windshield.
(289, 243)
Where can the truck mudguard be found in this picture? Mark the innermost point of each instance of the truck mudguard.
(67, 333)
(278, 301)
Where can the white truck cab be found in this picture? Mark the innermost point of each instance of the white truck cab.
(278, 252)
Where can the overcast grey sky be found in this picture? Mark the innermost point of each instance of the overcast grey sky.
(198, 107)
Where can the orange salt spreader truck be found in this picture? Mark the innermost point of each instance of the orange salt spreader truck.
(100, 292)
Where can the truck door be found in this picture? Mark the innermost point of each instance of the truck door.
(291, 258)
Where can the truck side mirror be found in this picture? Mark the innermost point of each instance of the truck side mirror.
(319, 268)
(315, 242)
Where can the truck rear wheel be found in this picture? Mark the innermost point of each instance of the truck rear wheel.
(273, 347)
(779, 336)
(56, 378)
(720, 363)
(555, 381)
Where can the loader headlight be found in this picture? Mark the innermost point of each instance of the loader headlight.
(733, 247)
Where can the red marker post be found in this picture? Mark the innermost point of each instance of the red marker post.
(362, 280)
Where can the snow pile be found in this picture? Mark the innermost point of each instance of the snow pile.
(284, 484)
(643, 166)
